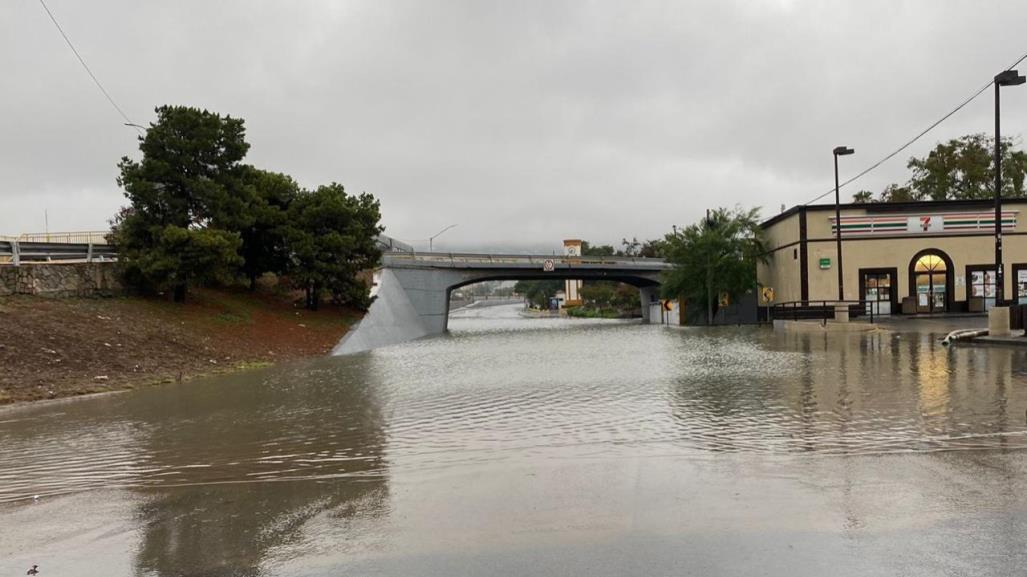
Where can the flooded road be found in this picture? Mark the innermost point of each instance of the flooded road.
(554, 447)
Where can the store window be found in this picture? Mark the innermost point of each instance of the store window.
(1020, 278)
(981, 285)
(877, 291)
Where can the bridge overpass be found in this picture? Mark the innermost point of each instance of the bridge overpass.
(414, 288)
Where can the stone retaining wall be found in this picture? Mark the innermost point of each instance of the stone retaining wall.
(60, 280)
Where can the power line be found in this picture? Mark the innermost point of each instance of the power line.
(917, 137)
(86, 66)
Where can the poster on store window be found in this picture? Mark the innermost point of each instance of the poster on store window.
(1021, 286)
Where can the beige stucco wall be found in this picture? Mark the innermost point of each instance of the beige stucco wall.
(782, 270)
(877, 253)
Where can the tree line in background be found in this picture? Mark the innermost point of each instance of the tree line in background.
(600, 298)
(717, 255)
(197, 214)
(960, 169)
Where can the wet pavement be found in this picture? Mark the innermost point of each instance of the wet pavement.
(542, 447)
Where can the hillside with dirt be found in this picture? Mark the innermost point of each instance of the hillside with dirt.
(52, 348)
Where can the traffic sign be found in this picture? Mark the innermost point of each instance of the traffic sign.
(767, 293)
(548, 265)
(668, 305)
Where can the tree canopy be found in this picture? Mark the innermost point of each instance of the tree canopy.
(331, 236)
(959, 169)
(716, 255)
(182, 194)
(197, 214)
(264, 244)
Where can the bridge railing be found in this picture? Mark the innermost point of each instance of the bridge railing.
(534, 259)
(79, 237)
(389, 244)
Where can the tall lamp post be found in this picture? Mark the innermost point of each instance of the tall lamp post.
(431, 239)
(1004, 78)
(839, 151)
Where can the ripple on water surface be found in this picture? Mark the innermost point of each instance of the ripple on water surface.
(501, 387)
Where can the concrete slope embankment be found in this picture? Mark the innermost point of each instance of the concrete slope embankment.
(392, 319)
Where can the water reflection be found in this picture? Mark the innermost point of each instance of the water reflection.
(886, 391)
(252, 471)
(224, 476)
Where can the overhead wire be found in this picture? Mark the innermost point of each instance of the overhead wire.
(917, 137)
(89, 71)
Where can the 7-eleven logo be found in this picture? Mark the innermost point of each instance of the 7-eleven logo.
(926, 223)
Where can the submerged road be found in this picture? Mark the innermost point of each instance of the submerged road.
(516, 446)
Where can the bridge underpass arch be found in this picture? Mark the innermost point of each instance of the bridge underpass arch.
(414, 289)
(641, 283)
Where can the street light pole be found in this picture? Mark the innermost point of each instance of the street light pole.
(1004, 78)
(839, 151)
(141, 129)
(431, 239)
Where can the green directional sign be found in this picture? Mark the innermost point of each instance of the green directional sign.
(825, 263)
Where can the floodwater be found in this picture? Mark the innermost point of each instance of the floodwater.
(541, 447)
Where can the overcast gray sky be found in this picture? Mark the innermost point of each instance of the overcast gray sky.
(522, 122)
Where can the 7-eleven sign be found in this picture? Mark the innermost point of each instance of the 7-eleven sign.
(925, 223)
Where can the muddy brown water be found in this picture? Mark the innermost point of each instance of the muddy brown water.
(541, 447)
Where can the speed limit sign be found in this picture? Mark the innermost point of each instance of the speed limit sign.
(548, 265)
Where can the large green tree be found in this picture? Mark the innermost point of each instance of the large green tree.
(959, 169)
(187, 200)
(716, 255)
(264, 244)
(332, 239)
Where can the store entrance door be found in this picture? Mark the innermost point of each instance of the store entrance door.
(931, 283)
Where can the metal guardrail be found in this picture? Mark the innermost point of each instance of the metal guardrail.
(389, 244)
(824, 310)
(94, 237)
(455, 258)
(89, 246)
(17, 252)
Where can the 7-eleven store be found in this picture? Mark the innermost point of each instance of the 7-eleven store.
(915, 257)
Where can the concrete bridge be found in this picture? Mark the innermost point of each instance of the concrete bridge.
(414, 288)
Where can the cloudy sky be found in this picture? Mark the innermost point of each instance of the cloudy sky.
(522, 122)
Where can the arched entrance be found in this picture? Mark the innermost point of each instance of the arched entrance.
(930, 281)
